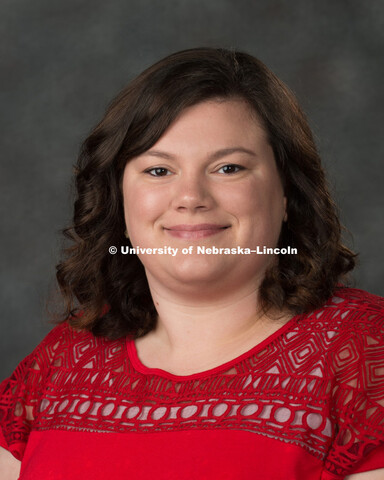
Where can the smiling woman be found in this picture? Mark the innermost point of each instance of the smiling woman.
(221, 339)
(211, 179)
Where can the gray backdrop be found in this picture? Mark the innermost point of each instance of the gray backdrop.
(63, 61)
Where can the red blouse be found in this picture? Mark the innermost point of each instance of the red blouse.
(306, 403)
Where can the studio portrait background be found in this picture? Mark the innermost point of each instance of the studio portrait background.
(62, 63)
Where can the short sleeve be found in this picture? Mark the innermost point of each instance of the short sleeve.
(20, 394)
(358, 400)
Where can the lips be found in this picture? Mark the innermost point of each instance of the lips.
(191, 232)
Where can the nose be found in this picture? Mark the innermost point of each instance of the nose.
(192, 192)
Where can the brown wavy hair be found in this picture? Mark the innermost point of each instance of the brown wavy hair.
(112, 290)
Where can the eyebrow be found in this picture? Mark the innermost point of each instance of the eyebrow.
(214, 156)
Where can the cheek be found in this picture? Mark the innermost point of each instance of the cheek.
(141, 206)
(255, 197)
(258, 204)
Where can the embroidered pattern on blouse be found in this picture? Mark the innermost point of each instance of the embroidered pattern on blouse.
(319, 385)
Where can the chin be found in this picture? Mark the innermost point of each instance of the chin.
(198, 271)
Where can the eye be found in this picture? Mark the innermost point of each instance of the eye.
(158, 171)
(230, 168)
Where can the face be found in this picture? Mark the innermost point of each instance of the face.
(210, 180)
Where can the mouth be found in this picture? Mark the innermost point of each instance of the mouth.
(192, 232)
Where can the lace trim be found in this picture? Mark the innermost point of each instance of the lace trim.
(318, 384)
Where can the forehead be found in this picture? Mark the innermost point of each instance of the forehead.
(224, 121)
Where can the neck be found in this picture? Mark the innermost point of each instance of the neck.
(185, 323)
(194, 334)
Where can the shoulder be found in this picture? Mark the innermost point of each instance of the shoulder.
(62, 356)
(65, 347)
(69, 347)
(357, 300)
(352, 335)
(346, 335)
(349, 311)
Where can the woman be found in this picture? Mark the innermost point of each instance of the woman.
(218, 341)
